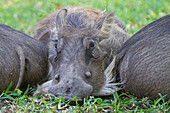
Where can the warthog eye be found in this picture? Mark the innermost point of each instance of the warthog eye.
(55, 45)
(92, 44)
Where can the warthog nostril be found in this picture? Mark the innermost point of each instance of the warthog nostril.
(88, 74)
(57, 77)
(68, 90)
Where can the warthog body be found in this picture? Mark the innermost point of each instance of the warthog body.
(23, 60)
(79, 40)
(143, 62)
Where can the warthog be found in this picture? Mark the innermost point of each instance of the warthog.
(143, 62)
(23, 60)
(81, 44)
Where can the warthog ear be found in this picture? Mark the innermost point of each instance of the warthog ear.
(105, 27)
(60, 17)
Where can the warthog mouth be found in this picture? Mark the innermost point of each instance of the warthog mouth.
(67, 97)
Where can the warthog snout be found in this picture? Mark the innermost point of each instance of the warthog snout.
(75, 75)
(71, 87)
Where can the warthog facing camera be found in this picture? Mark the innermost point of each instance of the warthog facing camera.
(81, 45)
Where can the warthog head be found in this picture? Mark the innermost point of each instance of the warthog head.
(76, 58)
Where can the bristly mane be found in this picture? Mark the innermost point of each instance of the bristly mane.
(78, 20)
(77, 23)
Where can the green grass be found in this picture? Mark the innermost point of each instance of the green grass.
(24, 15)
(16, 101)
